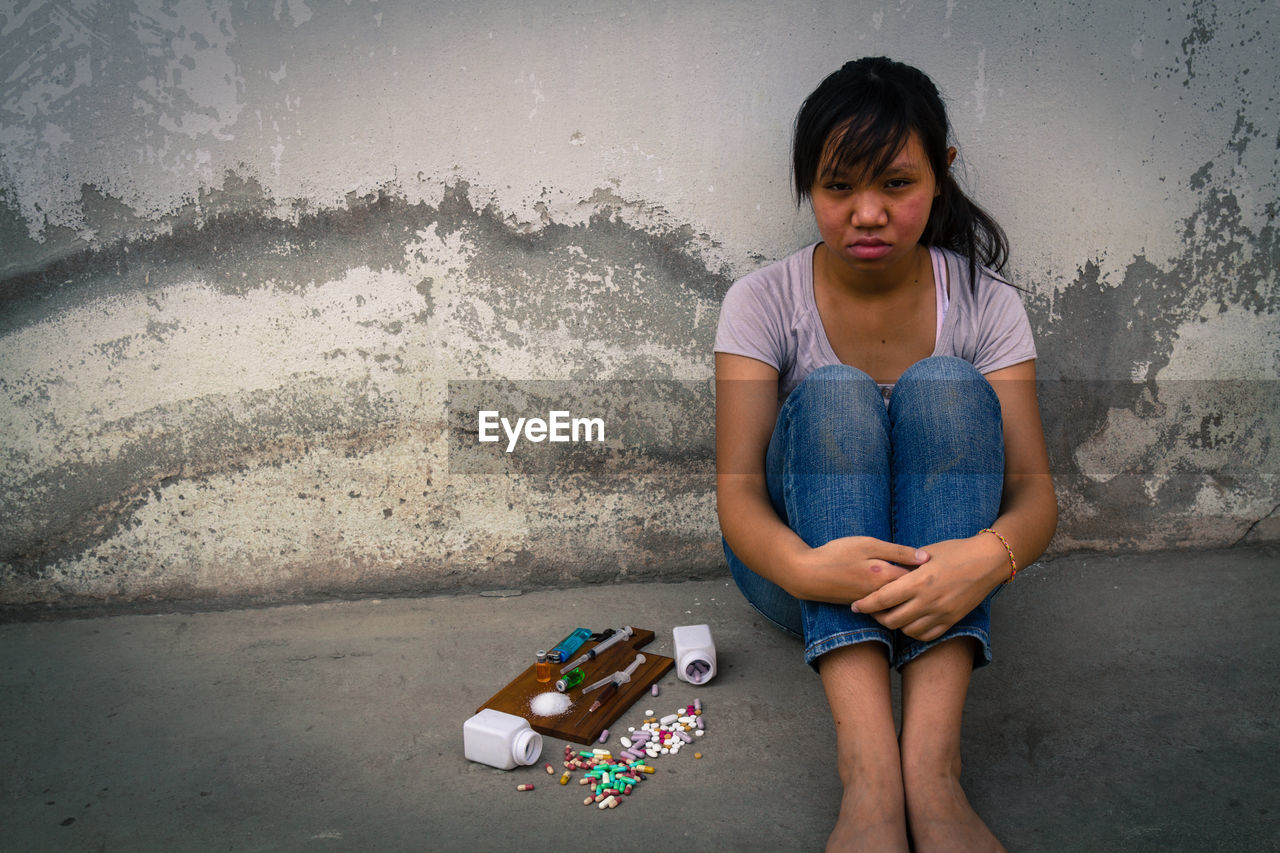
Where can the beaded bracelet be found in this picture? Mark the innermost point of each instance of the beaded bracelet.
(1013, 564)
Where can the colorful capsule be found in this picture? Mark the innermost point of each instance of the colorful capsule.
(524, 787)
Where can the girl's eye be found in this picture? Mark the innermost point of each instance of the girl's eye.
(898, 183)
(836, 187)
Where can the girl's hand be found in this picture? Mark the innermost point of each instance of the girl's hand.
(926, 602)
(852, 567)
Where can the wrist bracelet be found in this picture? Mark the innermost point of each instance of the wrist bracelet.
(1013, 564)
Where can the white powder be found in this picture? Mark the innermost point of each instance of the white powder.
(551, 704)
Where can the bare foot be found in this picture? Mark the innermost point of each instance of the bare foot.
(868, 822)
(941, 819)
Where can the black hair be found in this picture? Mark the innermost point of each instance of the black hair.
(860, 117)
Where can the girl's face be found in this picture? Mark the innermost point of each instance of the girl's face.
(874, 222)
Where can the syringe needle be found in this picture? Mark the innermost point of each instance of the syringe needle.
(618, 636)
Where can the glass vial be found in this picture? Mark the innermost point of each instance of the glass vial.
(695, 653)
(543, 668)
(500, 740)
(570, 679)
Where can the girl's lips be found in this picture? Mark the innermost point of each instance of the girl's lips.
(870, 250)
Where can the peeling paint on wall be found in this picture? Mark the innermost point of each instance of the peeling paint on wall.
(178, 407)
(1171, 427)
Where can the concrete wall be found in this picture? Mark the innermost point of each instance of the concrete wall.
(245, 249)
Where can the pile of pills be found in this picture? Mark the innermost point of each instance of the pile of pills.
(665, 736)
(612, 778)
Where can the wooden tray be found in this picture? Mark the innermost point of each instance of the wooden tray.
(578, 724)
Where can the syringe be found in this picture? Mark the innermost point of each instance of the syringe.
(620, 677)
(616, 680)
(624, 634)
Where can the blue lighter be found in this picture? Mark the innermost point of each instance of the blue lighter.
(568, 645)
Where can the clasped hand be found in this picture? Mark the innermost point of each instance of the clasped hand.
(926, 601)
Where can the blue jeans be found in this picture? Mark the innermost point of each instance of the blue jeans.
(928, 467)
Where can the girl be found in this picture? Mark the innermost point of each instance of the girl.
(881, 466)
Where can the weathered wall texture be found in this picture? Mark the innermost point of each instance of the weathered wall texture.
(246, 247)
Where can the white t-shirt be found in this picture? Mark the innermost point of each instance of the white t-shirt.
(771, 315)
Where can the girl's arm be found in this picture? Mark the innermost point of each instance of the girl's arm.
(838, 572)
(961, 572)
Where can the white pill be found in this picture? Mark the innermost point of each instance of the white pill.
(631, 728)
(669, 719)
(626, 741)
(666, 751)
(698, 733)
(648, 713)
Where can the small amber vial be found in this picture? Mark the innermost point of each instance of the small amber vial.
(543, 669)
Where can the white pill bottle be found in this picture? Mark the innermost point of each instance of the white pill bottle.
(695, 653)
(500, 740)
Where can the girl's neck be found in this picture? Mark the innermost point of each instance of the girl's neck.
(880, 325)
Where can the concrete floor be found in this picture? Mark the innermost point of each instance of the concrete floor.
(1131, 706)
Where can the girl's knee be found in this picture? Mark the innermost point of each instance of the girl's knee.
(944, 381)
(941, 367)
(836, 372)
(838, 383)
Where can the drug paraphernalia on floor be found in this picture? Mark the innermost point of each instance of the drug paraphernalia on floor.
(578, 724)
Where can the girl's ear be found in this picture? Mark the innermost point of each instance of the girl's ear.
(951, 156)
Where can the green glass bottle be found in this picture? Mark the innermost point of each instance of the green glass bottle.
(570, 680)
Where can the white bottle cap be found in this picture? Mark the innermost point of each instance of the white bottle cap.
(526, 746)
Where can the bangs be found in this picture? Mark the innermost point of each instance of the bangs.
(862, 149)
